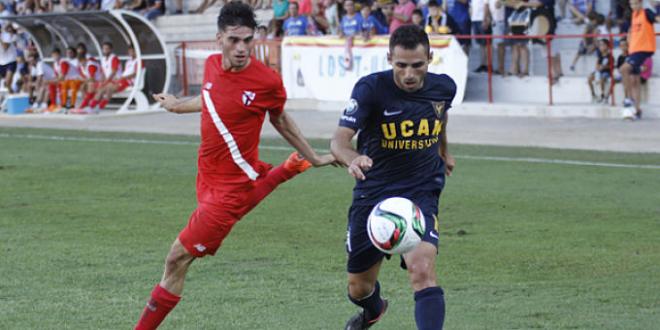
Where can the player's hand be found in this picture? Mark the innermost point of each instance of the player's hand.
(450, 162)
(167, 101)
(324, 160)
(359, 165)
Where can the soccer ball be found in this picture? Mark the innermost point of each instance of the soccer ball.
(396, 225)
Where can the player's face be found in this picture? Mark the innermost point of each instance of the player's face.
(409, 67)
(434, 11)
(131, 52)
(107, 50)
(56, 56)
(236, 43)
(293, 10)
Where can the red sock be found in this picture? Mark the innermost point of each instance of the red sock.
(52, 92)
(87, 99)
(93, 102)
(103, 103)
(160, 304)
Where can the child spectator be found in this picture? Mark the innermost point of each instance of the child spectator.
(351, 23)
(296, 25)
(418, 17)
(438, 21)
(588, 45)
(603, 71)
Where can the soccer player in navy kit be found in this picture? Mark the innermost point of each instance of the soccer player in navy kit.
(400, 117)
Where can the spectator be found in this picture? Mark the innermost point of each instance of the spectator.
(438, 21)
(480, 26)
(602, 72)
(205, 5)
(8, 54)
(460, 12)
(562, 9)
(275, 29)
(495, 14)
(384, 14)
(296, 25)
(418, 17)
(623, 45)
(580, 9)
(304, 7)
(402, 14)
(351, 23)
(110, 4)
(588, 45)
(519, 21)
(280, 9)
(136, 5)
(20, 79)
(154, 9)
(331, 14)
(621, 13)
(371, 24)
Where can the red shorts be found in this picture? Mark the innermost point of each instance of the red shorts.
(122, 84)
(219, 209)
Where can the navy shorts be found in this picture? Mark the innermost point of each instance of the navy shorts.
(6, 68)
(362, 254)
(636, 60)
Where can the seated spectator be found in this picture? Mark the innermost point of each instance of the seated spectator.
(418, 17)
(205, 5)
(296, 25)
(402, 14)
(623, 45)
(588, 45)
(154, 9)
(110, 4)
(580, 9)
(438, 21)
(19, 84)
(370, 24)
(351, 23)
(602, 73)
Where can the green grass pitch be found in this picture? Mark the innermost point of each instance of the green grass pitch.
(85, 224)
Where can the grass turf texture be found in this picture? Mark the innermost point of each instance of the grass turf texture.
(85, 227)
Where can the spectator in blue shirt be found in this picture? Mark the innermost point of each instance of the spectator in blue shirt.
(370, 24)
(351, 23)
(295, 25)
(459, 10)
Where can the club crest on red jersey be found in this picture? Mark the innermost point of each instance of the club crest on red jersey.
(248, 97)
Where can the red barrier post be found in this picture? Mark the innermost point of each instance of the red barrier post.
(184, 65)
(490, 68)
(549, 50)
(612, 70)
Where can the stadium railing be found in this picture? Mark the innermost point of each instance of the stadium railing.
(190, 58)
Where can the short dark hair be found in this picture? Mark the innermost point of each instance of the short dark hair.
(72, 49)
(56, 50)
(418, 12)
(108, 43)
(409, 37)
(236, 13)
(433, 3)
(294, 3)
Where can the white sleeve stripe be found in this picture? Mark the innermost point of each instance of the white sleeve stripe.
(229, 139)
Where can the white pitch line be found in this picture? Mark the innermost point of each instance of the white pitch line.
(471, 157)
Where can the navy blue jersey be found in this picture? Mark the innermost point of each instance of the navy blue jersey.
(400, 132)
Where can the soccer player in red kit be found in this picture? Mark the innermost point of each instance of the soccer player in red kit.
(237, 92)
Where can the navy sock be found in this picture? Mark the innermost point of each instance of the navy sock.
(430, 308)
(372, 305)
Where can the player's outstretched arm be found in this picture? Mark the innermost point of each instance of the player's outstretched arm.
(291, 133)
(342, 148)
(444, 150)
(173, 104)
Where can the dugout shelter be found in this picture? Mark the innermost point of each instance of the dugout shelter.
(93, 28)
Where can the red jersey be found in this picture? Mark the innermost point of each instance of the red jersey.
(234, 105)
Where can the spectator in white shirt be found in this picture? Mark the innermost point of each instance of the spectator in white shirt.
(494, 13)
(8, 55)
(480, 26)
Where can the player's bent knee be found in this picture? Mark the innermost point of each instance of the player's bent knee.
(360, 289)
(422, 274)
(178, 257)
